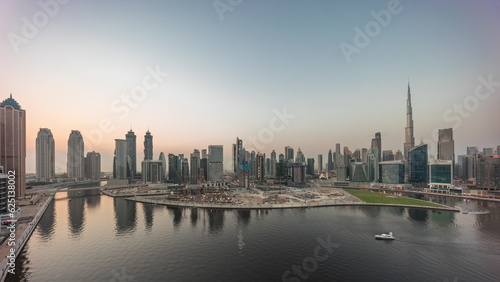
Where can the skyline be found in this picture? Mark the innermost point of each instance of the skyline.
(213, 80)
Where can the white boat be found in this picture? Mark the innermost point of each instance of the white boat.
(476, 212)
(385, 236)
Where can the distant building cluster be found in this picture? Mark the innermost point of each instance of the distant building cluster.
(414, 166)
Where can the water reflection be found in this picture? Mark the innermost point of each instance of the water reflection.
(125, 215)
(418, 214)
(215, 220)
(194, 216)
(46, 223)
(148, 215)
(93, 198)
(243, 217)
(76, 211)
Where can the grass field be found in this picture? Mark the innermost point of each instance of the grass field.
(379, 198)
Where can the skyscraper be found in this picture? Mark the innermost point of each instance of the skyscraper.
(472, 151)
(329, 165)
(174, 171)
(310, 166)
(45, 155)
(237, 154)
(93, 166)
(320, 163)
(120, 163)
(75, 163)
(195, 166)
(148, 146)
(418, 165)
(13, 141)
(409, 139)
(273, 164)
(288, 153)
(260, 167)
(487, 151)
(377, 143)
(152, 171)
(163, 161)
(131, 153)
(446, 145)
(215, 163)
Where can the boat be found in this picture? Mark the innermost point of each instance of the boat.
(385, 236)
(476, 212)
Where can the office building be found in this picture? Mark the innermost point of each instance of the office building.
(148, 146)
(364, 153)
(488, 172)
(320, 164)
(195, 167)
(238, 155)
(215, 163)
(45, 155)
(174, 170)
(300, 157)
(446, 145)
(487, 151)
(418, 165)
(163, 161)
(299, 174)
(152, 171)
(329, 165)
(259, 170)
(131, 153)
(93, 166)
(372, 162)
(377, 143)
(358, 172)
(441, 174)
(75, 163)
(288, 153)
(387, 155)
(273, 164)
(120, 161)
(310, 166)
(472, 151)
(13, 141)
(392, 172)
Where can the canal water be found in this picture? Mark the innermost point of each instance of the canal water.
(98, 238)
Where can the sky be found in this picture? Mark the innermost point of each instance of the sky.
(280, 73)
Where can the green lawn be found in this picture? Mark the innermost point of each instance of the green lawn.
(379, 198)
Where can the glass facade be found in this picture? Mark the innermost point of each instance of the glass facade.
(418, 168)
(441, 173)
(392, 173)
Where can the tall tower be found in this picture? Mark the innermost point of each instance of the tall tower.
(120, 160)
(76, 159)
(13, 142)
(409, 139)
(148, 146)
(45, 155)
(131, 153)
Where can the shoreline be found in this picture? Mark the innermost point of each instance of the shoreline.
(150, 200)
(23, 237)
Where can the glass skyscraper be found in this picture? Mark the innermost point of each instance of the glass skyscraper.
(418, 165)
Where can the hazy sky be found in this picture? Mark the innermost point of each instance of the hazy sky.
(85, 65)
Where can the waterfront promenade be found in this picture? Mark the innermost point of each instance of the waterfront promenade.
(23, 231)
(312, 204)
